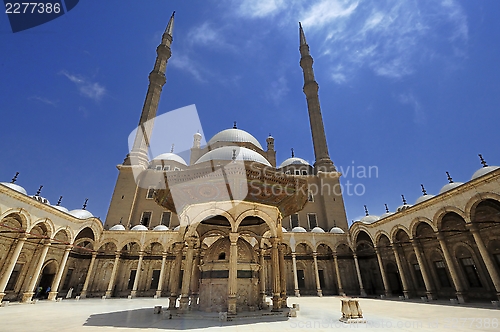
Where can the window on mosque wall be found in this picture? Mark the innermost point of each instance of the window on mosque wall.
(165, 218)
(311, 197)
(294, 220)
(471, 272)
(177, 169)
(222, 256)
(146, 218)
(442, 274)
(158, 167)
(297, 172)
(166, 168)
(304, 172)
(311, 218)
(150, 194)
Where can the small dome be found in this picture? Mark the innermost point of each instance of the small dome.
(171, 156)
(41, 199)
(160, 228)
(369, 219)
(15, 187)
(403, 207)
(283, 229)
(483, 170)
(298, 229)
(60, 208)
(337, 230)
(294, 161)
(139, 228)
(450, 186)
(234, 135)
(226, 153)
(177, 228)
(387, 214)
(81, 214)
(423, 198)
(317, 230)
(118, 227)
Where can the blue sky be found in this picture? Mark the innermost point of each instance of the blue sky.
(410, 87)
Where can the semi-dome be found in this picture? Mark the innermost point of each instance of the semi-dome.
(317, 230)
(228, 152)
(337, 230)
(369, 219)
(160, 228)
(15, 187)
(299, 229)
(450, 186)
(139, 228)
(171, 156)
(117, 228)
(234, 135)
(423, 198)
(483, 170)
(294, 161)
(81, 214)
(60, 208)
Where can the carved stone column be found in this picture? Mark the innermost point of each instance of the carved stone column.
(162, 274)
(490, 266)
(316, 274)
(186, 278)
(233, 270)
(295, 278)
(174, 276)
(10, 267)
(29, 294)
(402, 275)
(423, 269)
(387, 287)
(275, 273)
(195, 280)
(133, 293)
(83, 294)
(262, 277)
(358, 273)
(337, 271)
(54, 289)
(281, 253)
(453, 271)
(112, 279)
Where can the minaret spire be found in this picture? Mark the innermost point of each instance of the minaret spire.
(157, 79)
(323, 161)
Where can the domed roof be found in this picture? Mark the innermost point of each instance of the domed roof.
(60, 208)
(483, 170)
(15, 187)
(170, 156)
(386, 214)
(234, 135)
(298, 229)
(450, 186)
(337, 230)
(294, 161)
(369, 219)
(117, 228)
(177, 228)
(226, 153)
(317, 230)
(81, 214)
(41, 199)
(139, 228)
(423, 198)
(283, 229)
(160, 228)
(403, 207)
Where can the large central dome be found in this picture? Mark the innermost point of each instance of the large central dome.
(230, 152)
(234, 135)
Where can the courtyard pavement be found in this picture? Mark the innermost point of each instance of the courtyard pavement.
(316, 314)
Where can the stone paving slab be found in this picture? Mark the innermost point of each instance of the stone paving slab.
(318, 314)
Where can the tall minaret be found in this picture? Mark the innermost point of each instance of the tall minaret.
(139, 152)
(323, 161)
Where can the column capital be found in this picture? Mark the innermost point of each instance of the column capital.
(294, 254)
(141, 253)
(164, 254)
(472, 227)
(233, 237)
(191, 242)
(117, 254)
(440, 236)
(177, 247)
(274, 242)
(94, 254)
(315, 254)
(47, 242)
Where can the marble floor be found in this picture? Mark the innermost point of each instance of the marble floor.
(318, 314)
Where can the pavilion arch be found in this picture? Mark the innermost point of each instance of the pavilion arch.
(322, 242)
(149, 242)
(256, 213)
(20, 215)
(96, 228)
(358, 232)
(324, 245)
(153, 248)
(63, 235)
(381, 238)
(211, 233)
(438, 216)
(417, 221)
(134, 238)
(473, 202)
(109, 247)
(131, 248)
(303, 241)
(395, 230)
(378, 237)
(203, 215)
(336, 248)
(85, 232)
(49, 225)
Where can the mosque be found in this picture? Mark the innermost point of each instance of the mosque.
(232, 227)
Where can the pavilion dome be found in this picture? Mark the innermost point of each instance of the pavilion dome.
(234, 135)
(423, 198)
(170, 156)
(403, 207)
(60, 208)
(160, 228)
(317, 230)
(450, 186)
(41, 199)
(483, 171)
(294, 161)
(369, 219)
(139, 228)
(337, 230)
(226, 153)
(118, 227)
(299, 229)
(81, 214)
(386, 214)
(15, 187)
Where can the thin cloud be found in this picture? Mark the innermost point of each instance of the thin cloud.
(44, 100)
(185, 63)
(260, 8)
(278, 91)
(418, 112)
(206, 35)
(92, 90)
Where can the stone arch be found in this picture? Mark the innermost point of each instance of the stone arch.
(86, 232)
(438, 216)
(48, 227)
(203, 214)
(358, 230)
(383, 240)
(323, 242)
(471, 205)
(340, 246)
(398, 228)
(417, 221)
(21, 216)
(461, 250)
(153, 248)
(62, 236)
(305, 242)
(360, 233)
(109, 247)
(132, 248)
(256, 213)
(452, 222)
(306, 245)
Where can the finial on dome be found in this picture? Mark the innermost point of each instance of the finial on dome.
(234, 125)
(404, 199)
(172, 148)
(39, 191)
(85, 204)
(234, 155)
(423, 189)
(293, 154)
(14, 179)
(386, 208)
(59, 201)
(366, 210)
(450, 180)
(482, 160)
